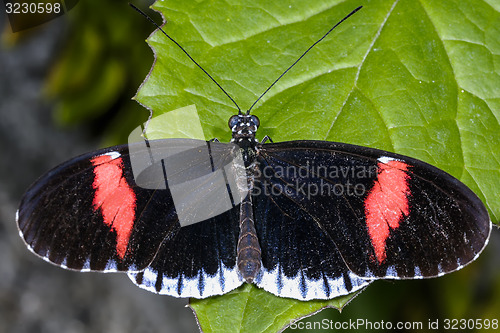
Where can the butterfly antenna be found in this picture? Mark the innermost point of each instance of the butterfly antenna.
(183, 50)
(303, 54)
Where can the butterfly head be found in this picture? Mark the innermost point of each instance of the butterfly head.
(243, 127)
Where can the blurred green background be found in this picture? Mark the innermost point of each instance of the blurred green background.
(66, 88)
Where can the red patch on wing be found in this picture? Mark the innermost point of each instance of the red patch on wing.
(115, 198)
(386, 204)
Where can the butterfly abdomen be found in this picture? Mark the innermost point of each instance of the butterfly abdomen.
(248, 250)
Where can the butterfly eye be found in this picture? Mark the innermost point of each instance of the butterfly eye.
(233, 121)
(255, 120)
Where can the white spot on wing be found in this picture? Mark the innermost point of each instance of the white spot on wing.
(225, 280)
(369, 275)
(314, 289)
(45, 258)
(86, 265)
(111, 266)
(459, 264)
(386, 159)
(64, 263)
(391, 271)
(112, 154)
(418, 273)
(440, 270)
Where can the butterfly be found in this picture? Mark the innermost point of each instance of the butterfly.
(300, 219)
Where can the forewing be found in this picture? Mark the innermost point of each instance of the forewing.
(388, 215)
(90, 214)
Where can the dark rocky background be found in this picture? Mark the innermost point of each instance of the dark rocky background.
(34, 295)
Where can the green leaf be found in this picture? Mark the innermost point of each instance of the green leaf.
(250, 309)
(420, 78)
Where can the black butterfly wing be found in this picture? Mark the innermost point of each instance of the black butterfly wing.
(389, 216)
(299, 260)
(198, 261)
(90, 214)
